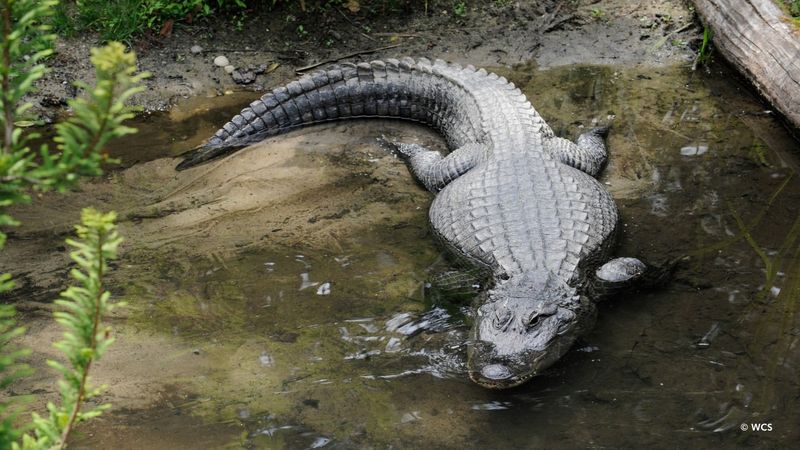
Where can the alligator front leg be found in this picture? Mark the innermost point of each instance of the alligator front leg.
(455, 285)
(432, 169)
(587, 153)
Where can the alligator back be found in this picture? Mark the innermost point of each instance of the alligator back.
(519, 213)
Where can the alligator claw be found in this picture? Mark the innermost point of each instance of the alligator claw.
(390, 146)
(399, 149)
(601, 131)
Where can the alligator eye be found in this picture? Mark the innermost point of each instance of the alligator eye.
(502, 318)
(533, 320)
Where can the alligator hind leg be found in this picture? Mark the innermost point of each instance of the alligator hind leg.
(623, 274)
(432, 169)
(587, 153)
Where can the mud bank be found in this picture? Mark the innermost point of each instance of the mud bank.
(553, 33)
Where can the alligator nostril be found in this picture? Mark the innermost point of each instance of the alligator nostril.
(496, 372)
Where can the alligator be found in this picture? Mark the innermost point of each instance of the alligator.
(511, 197)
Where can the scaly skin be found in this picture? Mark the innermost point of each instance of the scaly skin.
(511, 197)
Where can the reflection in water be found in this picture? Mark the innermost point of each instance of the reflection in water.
(353, 357)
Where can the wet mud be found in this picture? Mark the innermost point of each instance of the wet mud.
(488, 33)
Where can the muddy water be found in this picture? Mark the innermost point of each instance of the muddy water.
(276, 297)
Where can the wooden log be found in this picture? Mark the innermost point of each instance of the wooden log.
(761, 41)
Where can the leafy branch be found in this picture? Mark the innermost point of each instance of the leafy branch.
(97, 117)
(10, 369)
(85, 338)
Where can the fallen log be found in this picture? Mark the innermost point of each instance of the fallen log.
(761, 41)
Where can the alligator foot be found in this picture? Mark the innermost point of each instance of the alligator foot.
(625, 274)
(587, 153)
(432, 169)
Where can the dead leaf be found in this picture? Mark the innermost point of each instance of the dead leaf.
(272, 67)
(166, 30)
(353, 6)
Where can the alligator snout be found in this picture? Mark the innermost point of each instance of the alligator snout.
(496, 372)
(495, 376)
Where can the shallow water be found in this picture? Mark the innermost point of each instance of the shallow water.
(335, 346)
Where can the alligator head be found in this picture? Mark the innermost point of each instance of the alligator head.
(524, 325)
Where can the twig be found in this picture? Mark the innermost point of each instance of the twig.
(355, 25)
(238, 50)
(664, 39)
(400, 35)
(8, 109)
(350, 55)
(557, 23)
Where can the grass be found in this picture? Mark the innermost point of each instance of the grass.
(121, 20)
(124, 20)
(794, 7)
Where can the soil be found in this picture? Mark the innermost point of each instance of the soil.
(498, 33)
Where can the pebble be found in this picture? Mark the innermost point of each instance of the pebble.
(694, 150)
(221, 61)
(229, 68)
(196, 49)
(243, 77)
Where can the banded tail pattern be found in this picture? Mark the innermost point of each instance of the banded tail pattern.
(434, 93)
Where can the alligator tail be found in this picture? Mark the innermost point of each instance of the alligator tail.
(375, 89)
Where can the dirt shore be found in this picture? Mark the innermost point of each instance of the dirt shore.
(497, 33)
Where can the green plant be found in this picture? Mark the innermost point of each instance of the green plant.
(597, 13)
(704, 52)
(85, 337)
(793, 7)
(10, 369)
(460, 10)
(238, 20)
(121, 20)
(80, 142)
(113, 20)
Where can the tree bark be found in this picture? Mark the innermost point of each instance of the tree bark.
(761, 41)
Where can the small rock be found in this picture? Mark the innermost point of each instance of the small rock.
(196, 351)
(229, 68)
(409, 417)
(221, 61)
(196, 49)
(243, 77)
(258, 70)
(265, 359)
(324, 289)
(694, 150)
